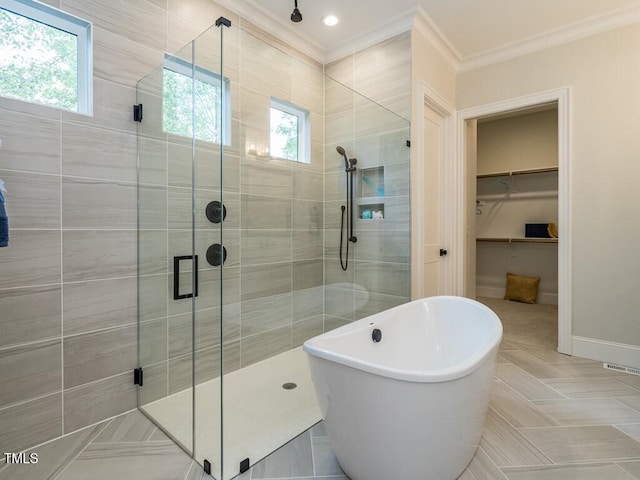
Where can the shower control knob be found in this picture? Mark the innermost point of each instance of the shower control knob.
(216, 255)
(216, 212)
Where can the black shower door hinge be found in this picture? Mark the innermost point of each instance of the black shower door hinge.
(137, 113)
(138, 376)
(408, 144)
(207, 467)
(244, 465)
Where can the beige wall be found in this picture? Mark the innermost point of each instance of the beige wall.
(603, 72)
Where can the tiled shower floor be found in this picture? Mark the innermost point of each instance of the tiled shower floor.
(551, 417)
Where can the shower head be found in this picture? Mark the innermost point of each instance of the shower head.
(341, 151)
(296, 16)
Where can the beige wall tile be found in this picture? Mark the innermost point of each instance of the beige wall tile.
(33, 200)
(265, 212)
(29, 143)
(30, 371)
(94, 254)
(100, 304)
(266, 313)
(93, 402)
(92, 356)
(98, 204)
(265, 246)
(30, 314)
(30, 423)
(265, 280)
(98, 153)
(140, 21)
(120, 60)
(32, 258)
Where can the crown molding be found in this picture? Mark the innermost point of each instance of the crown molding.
(425, 24)
(591, 26)
(393, 26)
(256, 13)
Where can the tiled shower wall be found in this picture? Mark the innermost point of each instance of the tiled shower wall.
(68, 279)
(378, 275)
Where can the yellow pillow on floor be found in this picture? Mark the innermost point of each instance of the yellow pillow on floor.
(521, 289)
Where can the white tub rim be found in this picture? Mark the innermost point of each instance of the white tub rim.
(460, 369)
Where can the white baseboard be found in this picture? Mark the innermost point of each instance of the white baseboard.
(619, 353)
(497, 292)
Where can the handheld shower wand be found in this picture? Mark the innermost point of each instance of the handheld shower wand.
(349, 168)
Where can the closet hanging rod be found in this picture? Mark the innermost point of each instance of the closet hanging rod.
(518, 172)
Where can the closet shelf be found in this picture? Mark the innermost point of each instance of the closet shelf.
(517, 240)
(518, 172)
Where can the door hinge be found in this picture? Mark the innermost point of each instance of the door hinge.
(138, 376)
(244, 465)
(206, 465)
(408, 144)
(137, 113)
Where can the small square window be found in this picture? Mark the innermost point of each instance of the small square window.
(211, 101)
(45, 56)
(289, 128)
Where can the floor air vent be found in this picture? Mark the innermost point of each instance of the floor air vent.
(620, 368)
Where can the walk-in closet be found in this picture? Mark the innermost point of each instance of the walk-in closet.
(517, 222)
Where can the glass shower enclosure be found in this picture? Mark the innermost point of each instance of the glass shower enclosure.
(238, 237)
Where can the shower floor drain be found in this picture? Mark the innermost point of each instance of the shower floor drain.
(289, 386)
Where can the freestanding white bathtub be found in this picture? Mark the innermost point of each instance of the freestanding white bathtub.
(412, 405)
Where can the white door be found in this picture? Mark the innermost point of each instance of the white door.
(433, 137)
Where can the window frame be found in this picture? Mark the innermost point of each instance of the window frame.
(184, 67)
(304, 128)
(82, 29)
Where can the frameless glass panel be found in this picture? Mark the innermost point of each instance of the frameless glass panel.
(377, 276)
(274, 300)
(212, 213)
(166, 271)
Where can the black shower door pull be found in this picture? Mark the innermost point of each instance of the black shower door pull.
(176, 277)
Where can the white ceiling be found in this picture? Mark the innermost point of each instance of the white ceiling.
(469, 28)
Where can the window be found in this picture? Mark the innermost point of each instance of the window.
(290, 137)
(211, 101)
(45, 56)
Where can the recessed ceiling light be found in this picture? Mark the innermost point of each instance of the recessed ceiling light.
(330, 20)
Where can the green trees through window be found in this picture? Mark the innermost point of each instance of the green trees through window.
(46, 56)
(211, 106)
(38, 63)
(284, 135)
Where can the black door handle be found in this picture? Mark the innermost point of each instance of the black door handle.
(443, 252)
(176, 277)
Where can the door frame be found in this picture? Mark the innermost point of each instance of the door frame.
(562, 96)
(428, 98)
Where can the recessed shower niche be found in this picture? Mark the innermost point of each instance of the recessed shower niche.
(371, 193)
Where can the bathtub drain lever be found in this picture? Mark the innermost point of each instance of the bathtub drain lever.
(376, 335)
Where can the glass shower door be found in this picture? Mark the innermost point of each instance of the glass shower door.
(180, 216)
